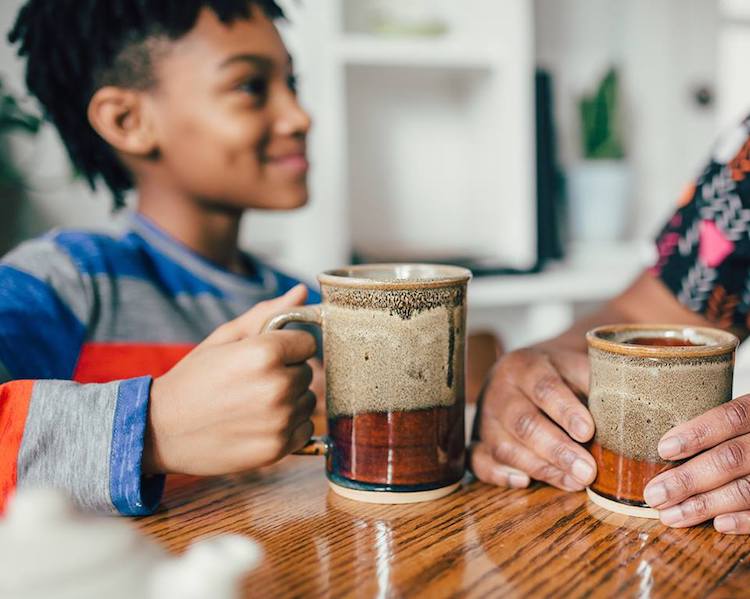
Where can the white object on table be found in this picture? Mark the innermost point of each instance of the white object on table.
(49, 550)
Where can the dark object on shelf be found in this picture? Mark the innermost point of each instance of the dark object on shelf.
(549, 179)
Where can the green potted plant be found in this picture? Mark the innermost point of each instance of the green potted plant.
(13, 119)
(599, 185)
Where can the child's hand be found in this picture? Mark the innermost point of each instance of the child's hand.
(239, 400)
(318, 385)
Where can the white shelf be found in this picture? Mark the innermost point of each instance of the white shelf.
(591, 272)
(443, 51)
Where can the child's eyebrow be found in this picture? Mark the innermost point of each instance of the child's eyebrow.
(259, 60)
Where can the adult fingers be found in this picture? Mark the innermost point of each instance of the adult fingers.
(486, 469)
(574, 368)
(508, 452)
(526, 423)
(707, 430)
(542, 383)
(707, 471)
(728, 499)
(737, 523)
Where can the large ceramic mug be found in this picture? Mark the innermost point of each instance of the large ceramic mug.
(645, 379)
(394, 352)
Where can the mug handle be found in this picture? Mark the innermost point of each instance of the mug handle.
(310, 315)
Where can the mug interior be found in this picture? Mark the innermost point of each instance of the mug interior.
(662, 340)
(400, 275)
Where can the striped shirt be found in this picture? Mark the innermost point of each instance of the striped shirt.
(86, 321)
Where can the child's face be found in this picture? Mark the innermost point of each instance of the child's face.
(229, 130)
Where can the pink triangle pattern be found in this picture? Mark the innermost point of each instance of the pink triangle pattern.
(714, 246)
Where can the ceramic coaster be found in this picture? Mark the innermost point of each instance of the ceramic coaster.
(622, 508)
(393, 497)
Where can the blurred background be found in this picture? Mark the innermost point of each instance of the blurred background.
(543, 143)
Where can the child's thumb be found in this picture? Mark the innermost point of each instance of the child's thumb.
(296, 296)
(251, 322)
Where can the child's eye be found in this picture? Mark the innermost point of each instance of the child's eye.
(292, 81)
(257, 86)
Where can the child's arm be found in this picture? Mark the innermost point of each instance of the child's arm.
(238, 401)
(84, 439)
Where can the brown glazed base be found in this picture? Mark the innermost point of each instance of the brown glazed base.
(418, 450)
(390, 497)
(623, 479)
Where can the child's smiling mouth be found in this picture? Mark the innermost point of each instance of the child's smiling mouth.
(294, 162)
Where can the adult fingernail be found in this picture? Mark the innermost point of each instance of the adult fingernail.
(571, 484)
(725, 523)
(518, 480)
(671, 516)
(670, 447)
(583, 471)
(579, 427)
(655, 494)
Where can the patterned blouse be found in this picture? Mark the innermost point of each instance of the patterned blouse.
(704, 250)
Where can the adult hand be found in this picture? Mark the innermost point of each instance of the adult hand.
(715, 481)
(239, 400)
(530, 421)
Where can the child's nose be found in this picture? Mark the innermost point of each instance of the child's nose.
(291, 118)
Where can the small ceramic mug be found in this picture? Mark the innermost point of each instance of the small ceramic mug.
(645, 379)
(394, 352)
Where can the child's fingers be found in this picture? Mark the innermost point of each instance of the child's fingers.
(303, 410)
(252, 321)
(294, 347)
(300, 436)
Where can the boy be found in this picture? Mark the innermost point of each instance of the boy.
(191, 103)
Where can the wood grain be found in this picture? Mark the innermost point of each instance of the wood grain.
(479, 542)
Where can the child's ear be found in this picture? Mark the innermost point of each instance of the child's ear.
(122, 118)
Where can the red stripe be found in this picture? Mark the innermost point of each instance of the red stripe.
(104, 362)
(14, 407)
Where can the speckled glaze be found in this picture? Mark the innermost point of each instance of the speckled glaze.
(639, 392)
(394, 346)
(394, 352)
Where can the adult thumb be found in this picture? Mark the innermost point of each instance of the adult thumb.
(252, 321)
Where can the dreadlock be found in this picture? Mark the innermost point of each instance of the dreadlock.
(75, 47)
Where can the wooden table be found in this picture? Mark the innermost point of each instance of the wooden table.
(479, 542)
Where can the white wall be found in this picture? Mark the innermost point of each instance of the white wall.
(664, 49)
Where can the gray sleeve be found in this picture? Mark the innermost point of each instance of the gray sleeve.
(87, 440)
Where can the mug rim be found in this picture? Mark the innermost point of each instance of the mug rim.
(448, 275)
(726, 342)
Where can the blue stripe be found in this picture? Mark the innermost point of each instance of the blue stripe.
(40, 337)
(285, 283)
(97, 254)
(132, 493)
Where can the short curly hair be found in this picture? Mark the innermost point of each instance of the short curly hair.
(74, 47)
